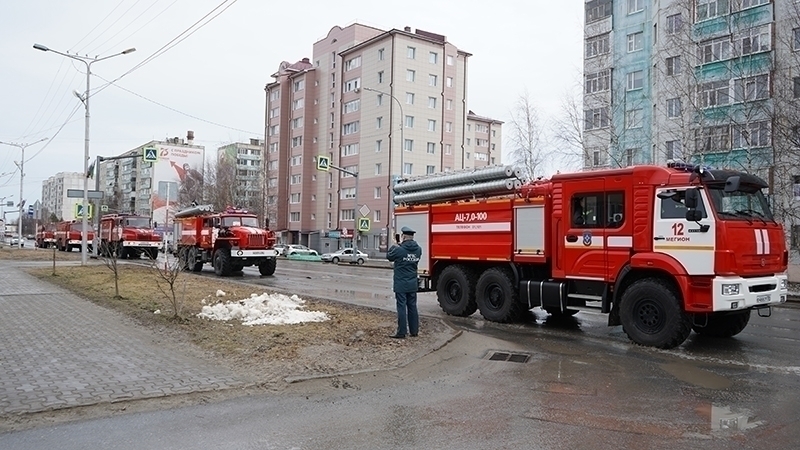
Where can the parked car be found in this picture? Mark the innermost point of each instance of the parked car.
(299, 249)
(15, 241)
(280, 248)
(345, 255)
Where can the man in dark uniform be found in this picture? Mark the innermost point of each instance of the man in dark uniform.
(406, 258)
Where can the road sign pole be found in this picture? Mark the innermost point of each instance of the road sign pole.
(356, 231)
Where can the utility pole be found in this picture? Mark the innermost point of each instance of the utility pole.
(323, 164)
(21, 179)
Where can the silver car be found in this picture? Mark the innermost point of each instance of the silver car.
(345, 255)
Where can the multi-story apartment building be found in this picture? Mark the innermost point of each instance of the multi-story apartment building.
(380, 104)
(706, 81)
(247, 162)
(154, 189)
(54, 195)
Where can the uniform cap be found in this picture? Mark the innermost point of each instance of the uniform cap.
(408, 231)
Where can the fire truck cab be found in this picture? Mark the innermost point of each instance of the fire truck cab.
(46, 237)
(229, 240)
(68, 235)
(128, 236)
(662, 250)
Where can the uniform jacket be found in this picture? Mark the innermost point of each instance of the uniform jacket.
(406, 258)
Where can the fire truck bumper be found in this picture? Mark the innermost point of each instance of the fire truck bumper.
(152, 244)
(254, 253)
(735, 293)
(75, 242)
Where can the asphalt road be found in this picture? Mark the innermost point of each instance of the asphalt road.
(578, 384)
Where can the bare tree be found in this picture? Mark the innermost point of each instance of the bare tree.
(221, 183)
(109, 254)
(167, 273)
(526, 137)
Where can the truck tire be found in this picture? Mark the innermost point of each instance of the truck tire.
(497, 298)
(152, 253)
(724, 325)
(651, 314)
(222, 262)
(455, 291)
(193, 262)
(267, 268)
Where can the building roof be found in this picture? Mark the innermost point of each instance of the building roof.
(472, 116)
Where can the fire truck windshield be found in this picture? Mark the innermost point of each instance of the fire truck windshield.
(239, 221)
(747, 203)
(137, 222)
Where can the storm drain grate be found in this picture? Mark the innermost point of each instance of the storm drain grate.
(510, 357)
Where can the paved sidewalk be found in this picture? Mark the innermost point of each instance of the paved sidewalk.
(59, 351)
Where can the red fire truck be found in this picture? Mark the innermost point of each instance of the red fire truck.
(46, 236)
(662, 250)
(128, 236)
(229, 240)
(68, 235)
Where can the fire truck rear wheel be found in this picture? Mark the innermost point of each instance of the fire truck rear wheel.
(497, 299)
(152, 253)
(456, 291)
(222, 262)
(723, 326)
(268, 267)
(651, 314)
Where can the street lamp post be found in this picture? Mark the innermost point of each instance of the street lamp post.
(402, 150)
(21, 179)
(88, 61)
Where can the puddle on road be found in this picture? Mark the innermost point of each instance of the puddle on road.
(696, 376)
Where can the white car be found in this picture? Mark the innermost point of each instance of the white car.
(14, 241)
(298, 249)
(346, 255)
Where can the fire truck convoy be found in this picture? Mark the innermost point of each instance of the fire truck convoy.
(68, 235)
(662, 250)
(229, 240)
(128, 236)
(46, 236)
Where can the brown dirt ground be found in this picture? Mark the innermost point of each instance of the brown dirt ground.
(354, 339)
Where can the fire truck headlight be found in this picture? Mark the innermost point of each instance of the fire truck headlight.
(783, 283)
(730, 289)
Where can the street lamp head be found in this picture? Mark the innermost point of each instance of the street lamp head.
(130, 50)
(40, 47)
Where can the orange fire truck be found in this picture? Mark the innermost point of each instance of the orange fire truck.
(68, 235)
(128, 236)
(662, 250)
(230, 240)
(46, 236)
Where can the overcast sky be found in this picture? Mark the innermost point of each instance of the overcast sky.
(217, 74)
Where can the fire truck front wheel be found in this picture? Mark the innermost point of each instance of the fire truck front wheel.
(456, 291)
(222, 262)
(268, 267)
(497, 299)
(722, 325)
(651, 314)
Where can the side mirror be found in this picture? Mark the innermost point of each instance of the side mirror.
(155, 224)
(692, 198)
(694, 215)
(732, 184)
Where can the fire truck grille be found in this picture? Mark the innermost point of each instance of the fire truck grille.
(257, 241)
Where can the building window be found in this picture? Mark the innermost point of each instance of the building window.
(796, 40)
(411, 52)
(432, 102)
(595, 118)
(450, 60)
(633, 118)
(431, 148)
(273, 147)
(673, 149)
(295, 198)
(754, 40)
(598, 81)
(297, 122)
(635, 80)
(347, 214)
(674, 23)
(429, 170)
(635, 6)
(597, 9)
(352, 63)
(350, 128)
(597, 45)
(297, 104)
(756, 134)
(299, 85)
(674, 107)
(352, 85)
(352, 106)
(407, 168)
(409, 98)
(379, 100)
(409, 121)
(295, 179)
(348, 171)
(714, 93)
(713, 139)
(716, 50)
(433, 57)
(796, 187)
(739, 5)
(297, 141)
(408, 145)
(635, 42)
(708, 9)
(448, 149)
(751, 88)
(296, 160)
(380, 54)
(380, 77)
(274, 112)
(448, 127)
(431, 125)
(294, 217)
(432, 79)
(378, 122)
(347, 193)
(630, 156)
(796, 87)
(376, 217)
(350, 149)
(378, 144)
(274, 95)
(377, 192)
(410, 75)
(378, 168)
(674, 65)
(469, 141)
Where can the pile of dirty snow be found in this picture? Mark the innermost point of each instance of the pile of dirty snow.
(264, 309)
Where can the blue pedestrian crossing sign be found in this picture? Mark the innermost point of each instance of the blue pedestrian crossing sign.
(79, 211)
(149, 154)
(323, 163)
(363, 224)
